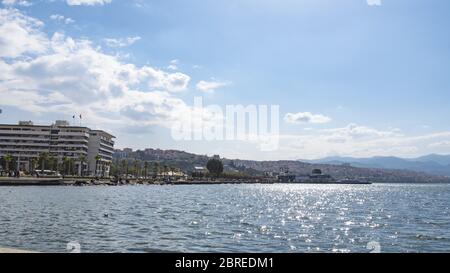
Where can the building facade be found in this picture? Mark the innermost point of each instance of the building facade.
(84, 151)
(100, 152)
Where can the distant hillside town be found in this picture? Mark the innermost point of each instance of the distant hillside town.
(189, 163)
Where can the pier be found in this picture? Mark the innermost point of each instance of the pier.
(25, 181)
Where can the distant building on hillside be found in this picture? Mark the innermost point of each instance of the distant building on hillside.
(124, 153)
(285, 176)
(127, 150)
(199, 171)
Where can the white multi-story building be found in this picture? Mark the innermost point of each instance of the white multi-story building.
(26, 143)
(100, 152)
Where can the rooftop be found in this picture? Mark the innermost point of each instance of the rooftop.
(58, 123)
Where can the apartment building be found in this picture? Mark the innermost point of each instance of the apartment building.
(100, 152)
(27, 142)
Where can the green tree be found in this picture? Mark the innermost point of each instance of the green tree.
(114, 171)
(136, 168)
(155, 170)
(215, 167)
(82, 160)
(145, 169)
(7, 158)
(43, 158)
(53, 163)
(165, 170)
(65, 165)
(71, 166)
(124, 167)
(33, 163)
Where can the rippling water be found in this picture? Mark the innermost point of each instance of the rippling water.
(228, 218)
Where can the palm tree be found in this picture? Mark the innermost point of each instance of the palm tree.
(145, 169)
(53, 163)
(124, 167)
(165, 171)
(82, 160)
(33, 163)
(136, 168)
(97, 160)
(43, 158)
(155, 170)
(114, 168)
(71, 166)
(65, 165)
(8, 158)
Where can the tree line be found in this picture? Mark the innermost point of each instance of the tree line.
(47, 161)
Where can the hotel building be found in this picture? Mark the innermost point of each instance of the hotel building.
(90, 150)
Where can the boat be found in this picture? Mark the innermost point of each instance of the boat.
(317, 177)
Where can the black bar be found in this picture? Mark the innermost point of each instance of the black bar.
(178, 262)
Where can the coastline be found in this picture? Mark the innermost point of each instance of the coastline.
(25, 181)
(30, 181)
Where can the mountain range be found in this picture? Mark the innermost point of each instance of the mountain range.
(431, 164)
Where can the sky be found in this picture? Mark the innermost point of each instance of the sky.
(351, 77)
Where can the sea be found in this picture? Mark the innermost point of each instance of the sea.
(280, 218)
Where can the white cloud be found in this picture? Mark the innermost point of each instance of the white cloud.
(441, 144)
(374, 2)
(121, 42)
(22, 3)
(61, 75)
(314, 144)
(61, 18)
(87, 2)
(210, 86)
(305, 117)
(20, 34)
(355, 140)
(357, 132)
(173, 64)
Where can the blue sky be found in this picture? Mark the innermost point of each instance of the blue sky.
(357, 77)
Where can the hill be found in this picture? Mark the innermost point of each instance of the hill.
(431, 164)
(187, 161)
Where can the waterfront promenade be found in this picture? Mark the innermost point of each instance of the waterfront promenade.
(32, 181)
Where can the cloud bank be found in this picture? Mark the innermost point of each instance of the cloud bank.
(210, 86)
(305, 117)
(60, 74)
